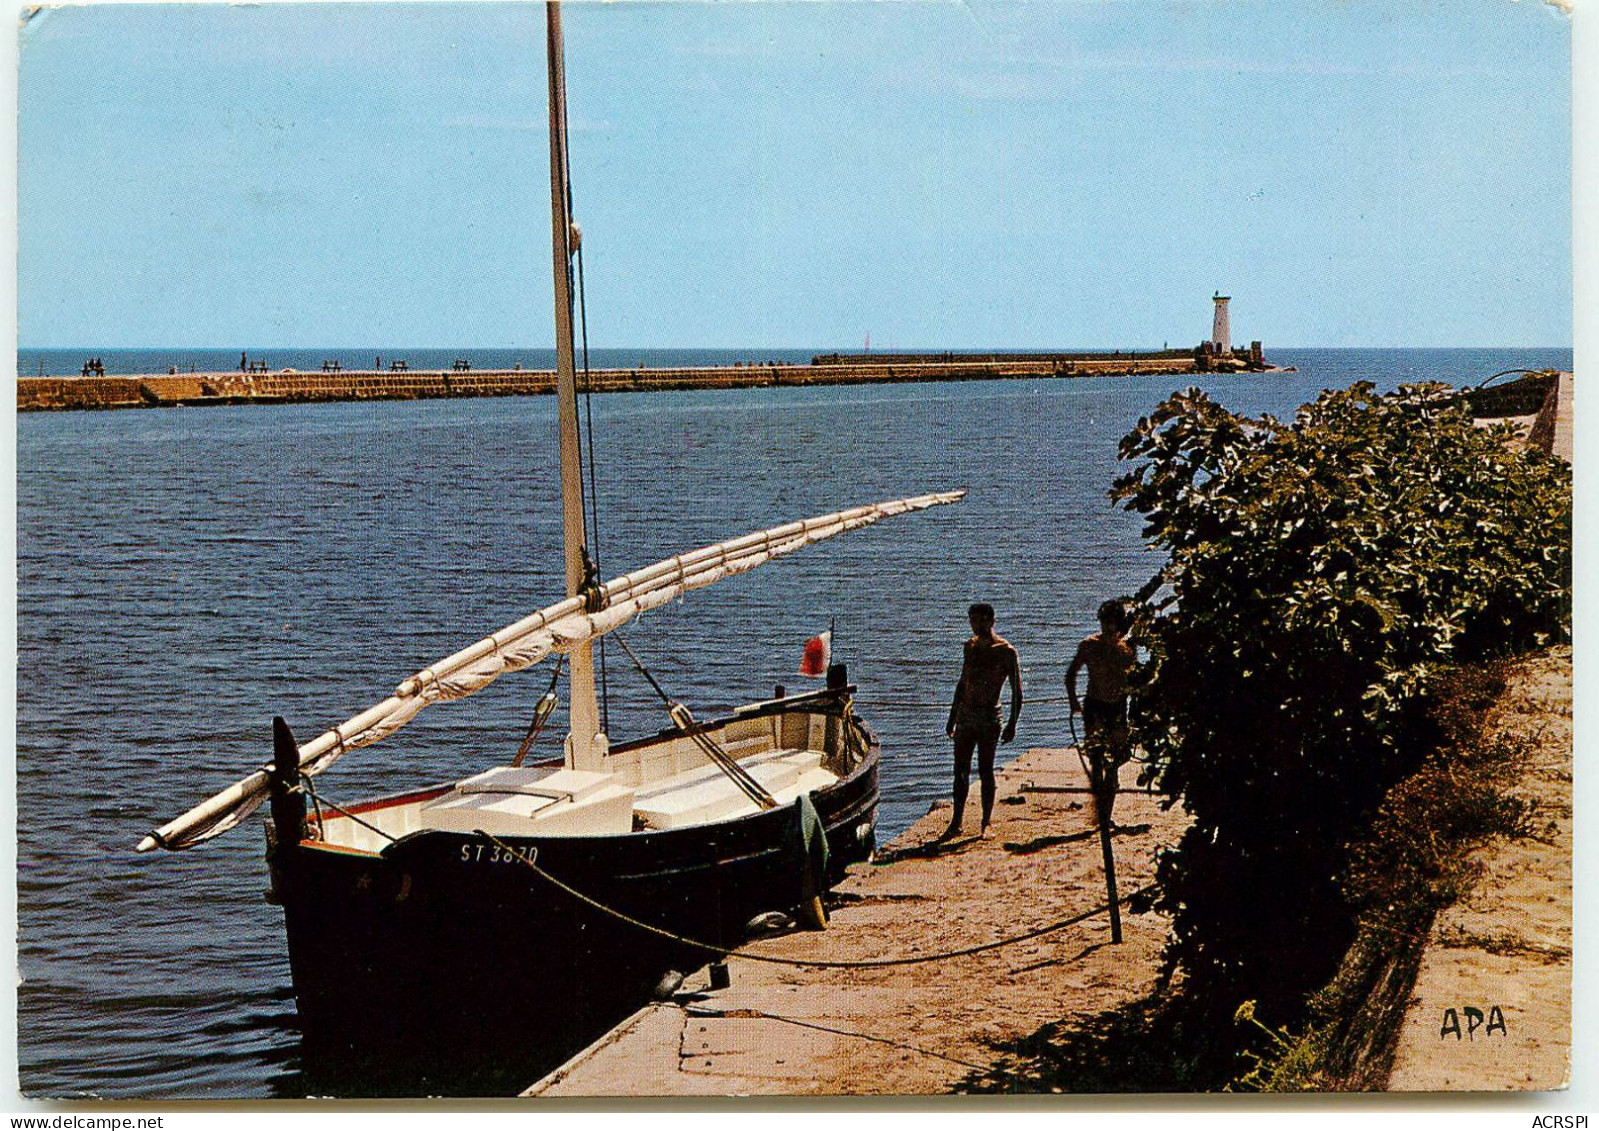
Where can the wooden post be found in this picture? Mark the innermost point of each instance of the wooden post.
(583, 710)
(1104, 801)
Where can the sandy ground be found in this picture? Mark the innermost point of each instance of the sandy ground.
(1508, 943)
(925, 1028)
(798, 1030)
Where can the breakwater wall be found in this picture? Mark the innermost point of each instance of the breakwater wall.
(155, 391)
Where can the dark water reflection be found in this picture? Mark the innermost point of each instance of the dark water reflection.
(185, 574)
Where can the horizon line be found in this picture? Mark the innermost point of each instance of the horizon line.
(789, 349)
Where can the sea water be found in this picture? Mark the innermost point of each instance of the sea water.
(185, 574)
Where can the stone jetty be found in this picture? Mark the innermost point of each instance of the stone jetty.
(286, 386)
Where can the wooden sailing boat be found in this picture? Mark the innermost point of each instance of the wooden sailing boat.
(527, 905)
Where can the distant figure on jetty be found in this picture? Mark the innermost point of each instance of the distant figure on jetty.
(988, 663)
(1108, 657)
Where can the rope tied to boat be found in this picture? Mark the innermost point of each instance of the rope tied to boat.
(531, 860)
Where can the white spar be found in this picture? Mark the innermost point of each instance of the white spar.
(558, 628)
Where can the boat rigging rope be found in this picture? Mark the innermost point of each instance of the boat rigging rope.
(861, 964)
(591, 516)
(593, 499)
(541, 714)
(708, 746)
(724, 761)
(316, 803)
(341, 810)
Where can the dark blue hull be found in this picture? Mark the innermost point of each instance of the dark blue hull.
(447, 965)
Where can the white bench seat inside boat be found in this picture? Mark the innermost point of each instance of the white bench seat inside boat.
(813, 779)
(707, 794)
(534, 801)
(665, 760)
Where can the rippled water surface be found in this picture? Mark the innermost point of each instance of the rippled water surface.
(185, 574)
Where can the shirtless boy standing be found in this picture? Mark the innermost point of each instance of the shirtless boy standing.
(989, 662)
(1108, 658)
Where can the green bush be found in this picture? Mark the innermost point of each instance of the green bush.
(1415, 852)
(1322, 575)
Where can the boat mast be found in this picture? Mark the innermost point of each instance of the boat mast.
(585, 746)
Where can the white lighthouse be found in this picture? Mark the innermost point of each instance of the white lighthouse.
(1221, 337)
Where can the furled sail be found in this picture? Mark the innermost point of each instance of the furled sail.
(558, 628)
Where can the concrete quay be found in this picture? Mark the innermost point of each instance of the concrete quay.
(1540, 406)
(924, 1028)
(289, 386)
(1505, 949)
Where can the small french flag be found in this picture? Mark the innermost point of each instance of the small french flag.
(818, 654)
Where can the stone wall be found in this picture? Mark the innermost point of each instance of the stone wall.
(42, 393)
(77, 392)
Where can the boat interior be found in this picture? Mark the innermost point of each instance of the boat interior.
(788, 746)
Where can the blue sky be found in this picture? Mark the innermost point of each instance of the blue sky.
(1077, 173)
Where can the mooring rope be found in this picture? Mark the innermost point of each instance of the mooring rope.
(861, 964)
